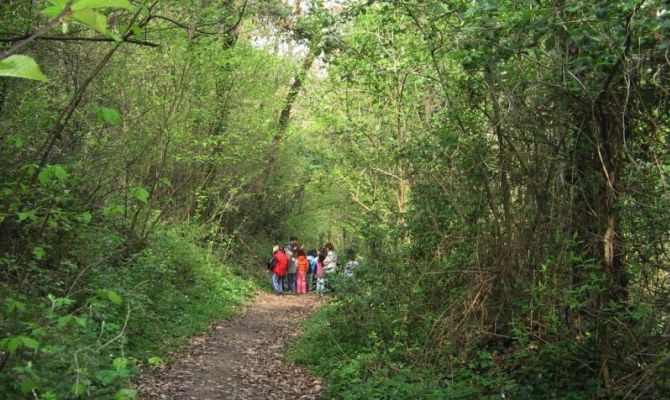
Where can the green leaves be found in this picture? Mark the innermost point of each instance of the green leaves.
(13, 343)
(67, 319)
(78, 5)
(78, 388)
(83, 11)
(30, 343)
(155, 361)
(108, 115)
(48, 173)
(140, 194)
(13, 306)
(114, 297)
(111, 296)
(82, 4)
(91, 19)
(113, 210)
(59, 3)
(439, 8)
(125, 394)
(85, 217)
(57, 302)
(39, 253)
(120, 363)
(19, 66)
(28, 215)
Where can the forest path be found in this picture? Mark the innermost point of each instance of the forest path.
(241, 358)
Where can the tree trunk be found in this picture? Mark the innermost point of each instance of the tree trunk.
(261, 201)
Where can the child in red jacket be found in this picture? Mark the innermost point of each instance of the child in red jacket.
(279, 266)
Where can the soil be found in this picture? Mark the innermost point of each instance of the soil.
(242, 358)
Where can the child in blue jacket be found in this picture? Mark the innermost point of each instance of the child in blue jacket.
(312, 258)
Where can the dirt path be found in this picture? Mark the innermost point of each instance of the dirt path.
(240, 358)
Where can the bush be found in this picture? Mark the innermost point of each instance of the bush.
(123, 316)
(376, 339)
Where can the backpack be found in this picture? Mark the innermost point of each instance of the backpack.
(271, 263)
(312, 264)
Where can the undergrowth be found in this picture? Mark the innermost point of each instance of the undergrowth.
(87, 333)
(353, 369)
(357, 368)
(370, 342)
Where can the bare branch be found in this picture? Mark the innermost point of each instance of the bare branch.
(81, 39)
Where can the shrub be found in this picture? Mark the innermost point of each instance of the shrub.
(121, 316)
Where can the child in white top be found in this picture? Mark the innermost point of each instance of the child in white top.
(351, 266)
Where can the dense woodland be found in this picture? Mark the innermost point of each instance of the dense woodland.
(501, 168)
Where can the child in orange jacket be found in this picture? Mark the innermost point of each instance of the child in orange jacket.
(303, 266)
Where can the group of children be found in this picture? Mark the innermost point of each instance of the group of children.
(296, 270)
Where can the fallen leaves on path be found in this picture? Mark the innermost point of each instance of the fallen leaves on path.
(241, 358)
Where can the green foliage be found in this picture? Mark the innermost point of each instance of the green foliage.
(83, 12)
(83, 4)
(108, 115)
(471, 137)
(105, 163)
(19, 66)
(364, 367)
(183, 281)
(500, 166)
(140, 194)
(369, 343)
(50, 172)
(90, 343)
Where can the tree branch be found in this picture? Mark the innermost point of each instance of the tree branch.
(203, 32)
(81, 39)
(54, 23)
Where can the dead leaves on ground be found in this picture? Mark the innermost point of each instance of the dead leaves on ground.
(241, 358)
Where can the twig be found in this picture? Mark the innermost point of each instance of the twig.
(54, 23)
(121, 332)
(82, 39)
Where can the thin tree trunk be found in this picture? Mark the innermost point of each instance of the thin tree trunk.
(282, 126)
